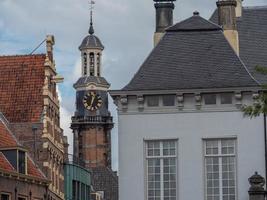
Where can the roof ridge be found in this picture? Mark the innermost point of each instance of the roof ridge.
(194, 23)
(254, 7)
(23, 55)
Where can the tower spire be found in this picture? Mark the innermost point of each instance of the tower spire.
(91, 29)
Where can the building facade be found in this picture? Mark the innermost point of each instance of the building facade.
(92, 121)
(20, 178)
(77, 179)
(29, 101)
(182, 134)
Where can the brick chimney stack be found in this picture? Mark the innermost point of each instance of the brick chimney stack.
(227, 19)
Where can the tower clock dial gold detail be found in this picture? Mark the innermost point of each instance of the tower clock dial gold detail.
(92, 101)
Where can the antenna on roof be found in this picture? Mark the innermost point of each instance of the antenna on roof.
(37, 47)
(91, 29)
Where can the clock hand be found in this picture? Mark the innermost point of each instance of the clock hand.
(92, 100)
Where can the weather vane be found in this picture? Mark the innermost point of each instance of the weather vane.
(91, 29)
(91, 7)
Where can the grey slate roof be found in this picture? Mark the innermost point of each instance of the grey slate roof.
(85, 80)
(193, 54)
(252, 30)
(104, 179)
(91, 41)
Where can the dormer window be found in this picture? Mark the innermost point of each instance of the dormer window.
(17, 158)
(92, 64)
(85, 64)
(22, 162)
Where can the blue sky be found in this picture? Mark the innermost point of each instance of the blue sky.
(125, 27)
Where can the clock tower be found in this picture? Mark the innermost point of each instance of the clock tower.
(92, 122)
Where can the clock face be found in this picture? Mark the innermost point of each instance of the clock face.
(92, 101)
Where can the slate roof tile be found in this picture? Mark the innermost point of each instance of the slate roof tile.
(252, 30)
(196, 59)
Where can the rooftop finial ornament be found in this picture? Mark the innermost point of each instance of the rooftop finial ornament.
(91, 29)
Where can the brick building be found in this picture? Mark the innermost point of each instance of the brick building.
(92, 122)
(30, 103)
(20, 178)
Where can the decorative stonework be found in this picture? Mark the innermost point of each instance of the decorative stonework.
(198, 100)
(238, 98)
(180, 101)
(140, 100)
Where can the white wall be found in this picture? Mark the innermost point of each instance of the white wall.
(189, 128)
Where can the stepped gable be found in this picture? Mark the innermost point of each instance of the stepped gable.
(193, 54)
(21, 87)
(252, 31)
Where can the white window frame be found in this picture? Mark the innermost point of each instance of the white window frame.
(161, 157)
(220, 156)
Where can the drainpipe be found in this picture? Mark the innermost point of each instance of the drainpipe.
(34, 130)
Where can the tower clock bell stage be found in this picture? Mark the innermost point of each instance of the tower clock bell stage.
(92, 122)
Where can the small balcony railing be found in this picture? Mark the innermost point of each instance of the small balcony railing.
(93, 119)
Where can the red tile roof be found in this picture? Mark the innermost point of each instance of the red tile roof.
(4, 164)
(32, 169)
(21, 87)
(7, 139)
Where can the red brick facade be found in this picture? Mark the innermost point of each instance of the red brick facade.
(30, 103)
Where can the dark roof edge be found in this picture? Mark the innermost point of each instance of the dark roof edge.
(195, 30)
(23, 55)
(143, 63)
(254, 7)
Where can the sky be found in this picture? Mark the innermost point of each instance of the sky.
(125, 28)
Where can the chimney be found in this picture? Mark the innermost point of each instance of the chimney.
(238, 8)
(164, 17)
(227, 19)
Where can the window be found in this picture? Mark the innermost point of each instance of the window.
(220, 165)
(22, 162)
(5, 196)
(226, 98)
(168, 100)
(85, 64)
(98, 64)
(92, 64)
(152, 101)
(161, 167)
(209, 99)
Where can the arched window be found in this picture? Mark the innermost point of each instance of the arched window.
(92, 64)
(85, 64)
(98, 64)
